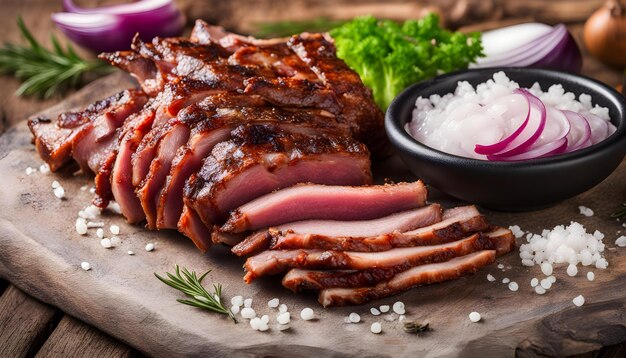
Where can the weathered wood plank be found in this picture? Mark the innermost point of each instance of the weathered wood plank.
(73, 338)
(25, 323)
(3, 285)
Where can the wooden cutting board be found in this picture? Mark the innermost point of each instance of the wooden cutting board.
(41, 253)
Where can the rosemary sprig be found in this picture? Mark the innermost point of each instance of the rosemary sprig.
(45, 72)
(621, 213)
(189, 284)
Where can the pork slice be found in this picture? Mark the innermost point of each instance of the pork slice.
(204, 33)
(191, 226)
(142, 69)
(324, 202)
(297, 280)
(83, 134)
(210, 126)
(308, 229)
(276, 261)
(260, 158)
(416, 276)
(466, 220)
(293, 92)
(121, 175)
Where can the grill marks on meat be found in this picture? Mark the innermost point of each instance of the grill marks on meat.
(275, 261)
(307, 234)
(416, 276)
(307, 201)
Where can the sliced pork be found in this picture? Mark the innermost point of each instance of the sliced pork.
(310, 229)
(457, 223)
(419, 275)
(297, 280)
(303, 202)
(275, 261)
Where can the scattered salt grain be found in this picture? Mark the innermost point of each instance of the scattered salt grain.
(59, 192)
(390, 317)
(106, 243)
(283, 327)
(131, 253)
(585, 211)
(237, 301)
(235, 309)
(621, 241)
(283, 318)
(534, 282)
(115, 241)
(517, 231)
(44, 169)
(546, 284)
(92, 190)
(490, 278)
(265, 319)
(354, 317)
(273, 303)
(247, 302)
(546, 268)
(114, 207)
(579, 300)
(399, 308)
(255, 323)
(376, 328)
(500, 266)
(528, 262)
(374, 311)
(81, 226)
(602, 264)
(149, 246)
(282, 308)
(306, 314)
(513, 286)
(85, 265)
(384, 308)
(114, 229)
(572, 270)
(100, 233)
(474, 317)
(248, 313)
(506, 280)
(591, 276)
(540, 290)
(30, 170)
(55, 184)
(93, 224)
(401, 318)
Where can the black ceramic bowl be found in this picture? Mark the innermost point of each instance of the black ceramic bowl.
(510, 186)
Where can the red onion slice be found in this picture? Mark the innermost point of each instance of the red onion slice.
(599, 127)
(551, 148)
(533, 129)
(557, 127)
(501, 145)
(580, 132)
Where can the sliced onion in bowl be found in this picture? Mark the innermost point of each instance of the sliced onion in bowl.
(580, 132)
(502, 144)
(551, 148)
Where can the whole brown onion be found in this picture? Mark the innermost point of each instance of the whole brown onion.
(605, 34)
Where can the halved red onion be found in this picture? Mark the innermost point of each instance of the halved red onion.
(501, 145)
(550, 148)
(580, 132)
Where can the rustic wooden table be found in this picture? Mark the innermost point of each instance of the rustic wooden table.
(29, 327)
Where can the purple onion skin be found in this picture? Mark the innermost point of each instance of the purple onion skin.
(566, 56)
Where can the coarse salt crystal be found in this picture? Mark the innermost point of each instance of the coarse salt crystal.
(131, 253)
(235, 309)
(401, 318)
(384, 308)
(149, 246)
(513, 286)
(621, 241)
(602, 263)
(572, 270)
(92, 190)
(114, 207)
(528, 262)
(283, 327)
(585, 211)
(376, 328)
(264, 327)
(546, 284)
(265, 319)
(59, 192)
(114, 229)
(273, 303)
(100, 233)
(92, 224)
(283, 318)
(551, 278)
(374, 311)
(354, 317)
(248, 313)
(399, 308)
(306, 314)
(55, 184)
(500, 266)
(44, 169)
(106, 243)
(591, 276)
(540, 290)
(30, 171)
(81, 226)
(237, 301)
(579, 300)
(490, 278)
(546, 268)
(85, 265)
(474, 317)
(282, 308)
(247, 302)
(534, 282)
(506, 280)
(255, 323)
